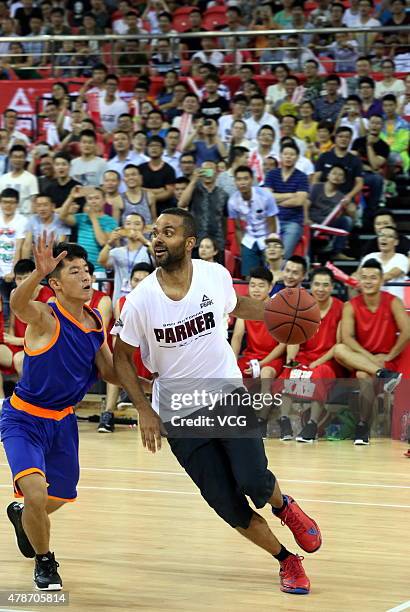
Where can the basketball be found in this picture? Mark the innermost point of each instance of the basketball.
(292, 316)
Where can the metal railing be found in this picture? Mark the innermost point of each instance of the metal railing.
(111, 45)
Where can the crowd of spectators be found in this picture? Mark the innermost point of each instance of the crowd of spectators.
(279, 152)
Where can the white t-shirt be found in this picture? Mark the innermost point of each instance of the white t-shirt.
(10, 232)
(396, 88)
(183, 341)
(397, 261)
(52, 135)
(88, 172)
(27, 186)
(109, 113)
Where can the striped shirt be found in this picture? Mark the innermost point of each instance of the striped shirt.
(297, 181)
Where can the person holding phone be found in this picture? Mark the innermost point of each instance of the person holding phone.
(205, 142)
(208, 204)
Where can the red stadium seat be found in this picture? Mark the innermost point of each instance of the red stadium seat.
(180, 21)
(214, 18)
(241, 288)
(328, 63)
(302, 248)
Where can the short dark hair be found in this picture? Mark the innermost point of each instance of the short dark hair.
(128, 166)
(156, 139)
(88, 134)
(187, 154)
(261, 273)
(344, 128)
(243, 169)
(24, 266)
(289, 144)
(74, 251)
(10, 193)
(99, 66)
(338, 166)
(384, 211)
(298, 259)
(214, 242)
(333, 77)
(372, 263)
(181, 179)
(367, 81)
(325, 124)
(142, 266)
(18, 148)
(112, 77)
(188, 220)
(322, 270)
(62, 155)
(173, 130)
(386, 98)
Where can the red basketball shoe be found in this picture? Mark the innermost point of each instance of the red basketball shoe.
(305, 531)
(292, 576)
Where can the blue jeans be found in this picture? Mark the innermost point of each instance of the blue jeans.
(345, 223)
(251, 258)
(374, 182)
(290, 233)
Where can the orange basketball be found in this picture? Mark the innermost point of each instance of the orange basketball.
(292, 316)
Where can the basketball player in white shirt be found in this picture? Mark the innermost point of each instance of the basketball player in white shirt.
(176, 317)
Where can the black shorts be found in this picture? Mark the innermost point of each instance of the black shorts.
(226, 471)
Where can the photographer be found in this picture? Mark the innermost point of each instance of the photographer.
(207, 203)
(205, 143)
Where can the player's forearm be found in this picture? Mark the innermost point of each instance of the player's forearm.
(249, 309)
(23, 294)
(275, 354)
(125, 371)
(400, 344)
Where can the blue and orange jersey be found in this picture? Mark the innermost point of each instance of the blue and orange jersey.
(58, 375)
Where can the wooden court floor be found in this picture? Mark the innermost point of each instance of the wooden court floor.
(141, 538)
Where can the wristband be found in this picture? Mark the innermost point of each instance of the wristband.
(256, 368)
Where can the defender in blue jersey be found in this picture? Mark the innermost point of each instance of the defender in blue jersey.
(65, 352)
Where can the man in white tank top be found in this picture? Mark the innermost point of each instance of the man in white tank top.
(176, 317)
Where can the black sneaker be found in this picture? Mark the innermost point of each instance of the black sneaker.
(286, 431)
(389, 378)
(46, 576)
(106, 422)
(308, 433)
(361, 436)
(15, 513)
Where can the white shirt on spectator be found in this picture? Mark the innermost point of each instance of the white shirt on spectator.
(397, 261)
(36, 226)
(173, 161)
(10, 232)
(88, 172)
(118, 165)
(52, 136)
(109, 113)
(254, 126)
(396, 88)
(27, 186)
(215, 58)
(16, 135)
(354, 126)
(349, 19)
(255, 212)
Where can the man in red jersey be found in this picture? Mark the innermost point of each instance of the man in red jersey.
(12, 351)
(375, 330)
(259, 342)
(316, 367)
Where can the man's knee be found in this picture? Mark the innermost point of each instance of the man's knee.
(34, 489)
(258, 485)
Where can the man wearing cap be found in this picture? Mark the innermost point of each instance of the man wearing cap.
(274, 250)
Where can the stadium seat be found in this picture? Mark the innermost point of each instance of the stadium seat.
(180, 21)
(328, 63)
(302, 247)
(214, 18)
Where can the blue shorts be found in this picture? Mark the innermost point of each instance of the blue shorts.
(41, 445)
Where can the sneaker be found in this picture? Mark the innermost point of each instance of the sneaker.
(46, 576)
(389, 378)
(286, 431)
(15, 513)
(308, 433)
(106, 422)
(292, 576)
(361, 436)
(124, 402)
(305, 531)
